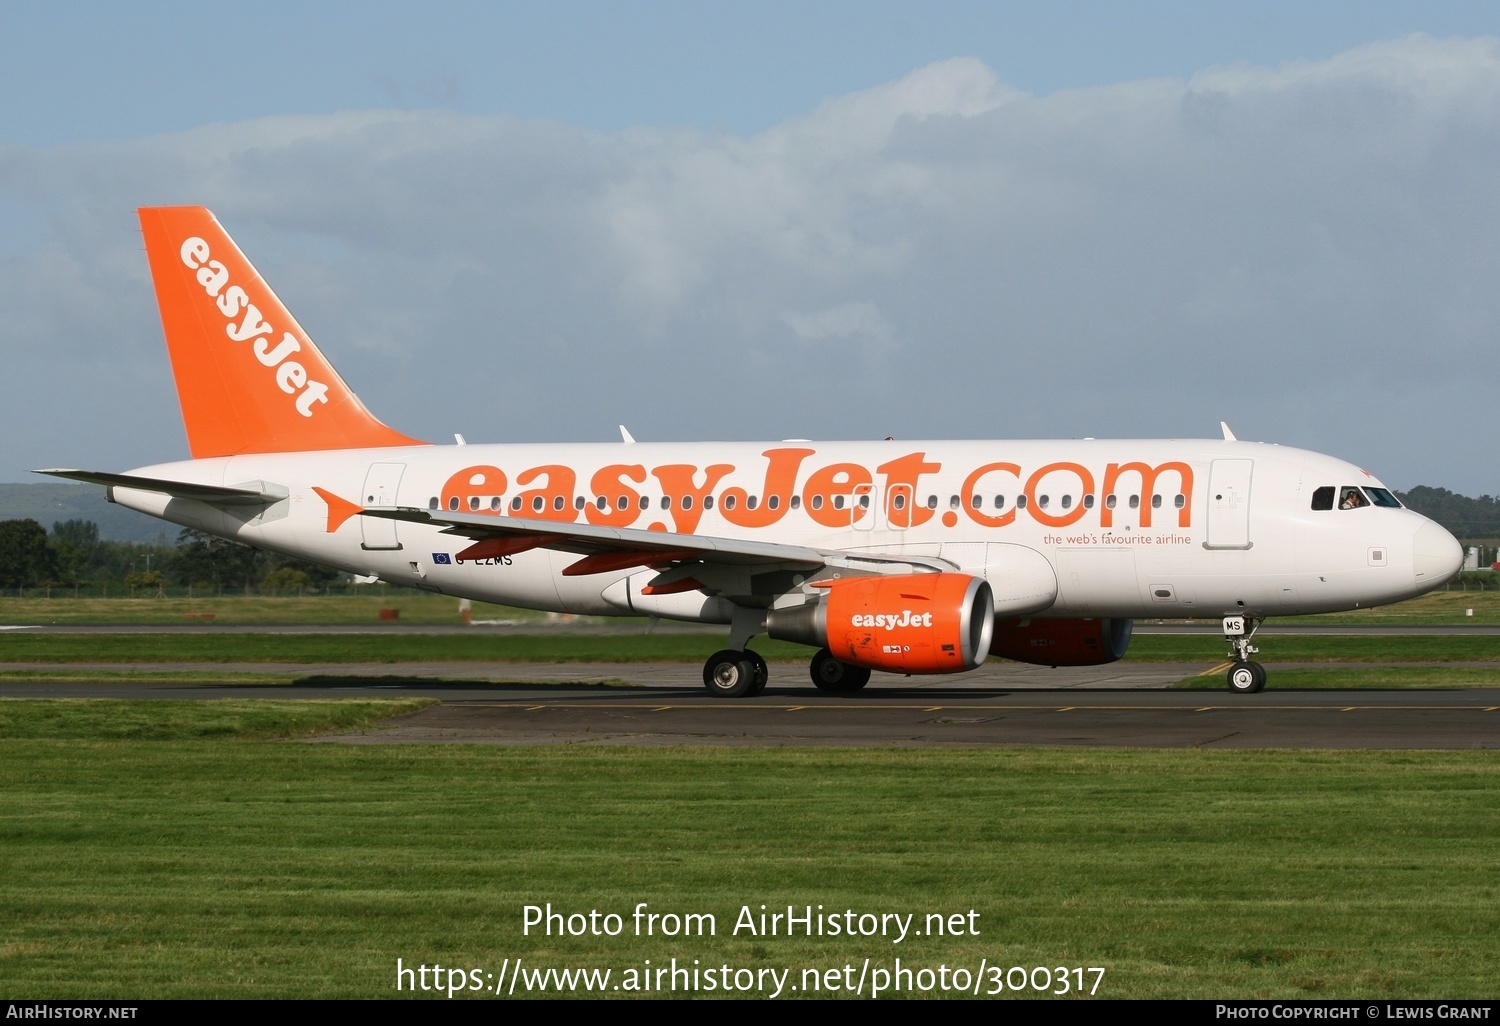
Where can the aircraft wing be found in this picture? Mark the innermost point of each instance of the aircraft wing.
(503, 535)
(217, 494)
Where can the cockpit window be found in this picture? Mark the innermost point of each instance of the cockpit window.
(1381, 497)
(1351, 497)
(1323, 497)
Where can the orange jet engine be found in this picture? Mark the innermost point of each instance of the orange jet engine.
(912, 623)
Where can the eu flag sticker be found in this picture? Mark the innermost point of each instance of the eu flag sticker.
(442, 558)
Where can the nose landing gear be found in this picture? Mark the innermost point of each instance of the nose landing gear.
(1246, 676)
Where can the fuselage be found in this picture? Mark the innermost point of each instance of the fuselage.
(1147, 528)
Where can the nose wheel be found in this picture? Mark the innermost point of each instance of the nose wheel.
(1246, 676)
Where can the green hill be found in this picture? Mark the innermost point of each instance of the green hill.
(47, 503)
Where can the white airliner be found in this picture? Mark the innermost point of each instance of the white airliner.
(905, 557)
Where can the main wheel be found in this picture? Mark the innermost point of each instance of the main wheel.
(730, 674)
(762, 671)
(1246, 678)
(831, 675)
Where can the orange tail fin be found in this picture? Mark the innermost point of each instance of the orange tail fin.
(248, 377)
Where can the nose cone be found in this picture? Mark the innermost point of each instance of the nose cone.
(1435, 555)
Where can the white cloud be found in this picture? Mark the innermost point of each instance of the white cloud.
(1272, 246)
(845, 321)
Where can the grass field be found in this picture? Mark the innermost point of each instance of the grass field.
(181, 867)
(659, 646)
(1358, 677)
(417, 607)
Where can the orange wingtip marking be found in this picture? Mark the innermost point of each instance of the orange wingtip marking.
(494, 548)
(339, 510)
(603, 562)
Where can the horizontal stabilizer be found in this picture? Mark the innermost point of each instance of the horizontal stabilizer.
(216, 494)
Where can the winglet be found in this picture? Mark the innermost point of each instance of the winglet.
(248, 377)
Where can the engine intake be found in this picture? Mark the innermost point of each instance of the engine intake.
(911, 623)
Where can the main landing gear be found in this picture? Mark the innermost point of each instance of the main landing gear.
(1246, 676)
(741, 673)
(831, 675)
(735, 673)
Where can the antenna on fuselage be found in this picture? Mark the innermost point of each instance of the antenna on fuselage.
(1228, 434)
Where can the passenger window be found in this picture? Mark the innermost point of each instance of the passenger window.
(432, 503)
(645, 502)
(1088, 502)
(1180, 501)
(1352, 498)
(1135, 502)
(975, 501)
(1042, 501)
(773, 502)
(751, 502)
(708, 502)
(579, 502)
(838, 502)
(1067, 502)
(538, 504)
(602, 502)
(999, 502)
(817, 502)
(515, 504)
(1109, 502)
(932, 502)
(796, 502)
(729, 502)
(495, 503)
(1156, 502)
(666, 502)
(953, 502)
(1020, 502)
(687, 502)
(558, 503)
(898, 501)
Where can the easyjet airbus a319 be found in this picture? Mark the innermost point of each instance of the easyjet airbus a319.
(903, 557)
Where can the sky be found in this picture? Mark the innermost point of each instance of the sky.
(532, 222)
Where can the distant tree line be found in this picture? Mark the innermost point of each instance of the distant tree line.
(1469, 520)
(73, 554)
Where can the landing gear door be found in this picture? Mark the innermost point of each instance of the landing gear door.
(1229, 504)
(381, 482)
